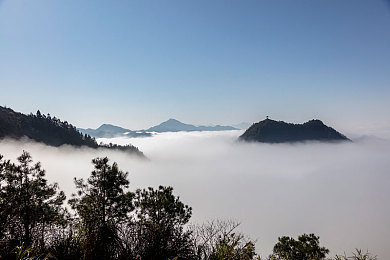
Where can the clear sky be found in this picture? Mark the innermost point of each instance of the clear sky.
(137, 63)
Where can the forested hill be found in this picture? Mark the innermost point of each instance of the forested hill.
(48, 130)
(271, 131)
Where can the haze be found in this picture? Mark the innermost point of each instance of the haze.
(337, 191)
(137, 63)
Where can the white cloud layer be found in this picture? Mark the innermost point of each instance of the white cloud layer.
(337, 191)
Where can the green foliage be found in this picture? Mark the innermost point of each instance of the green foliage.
(307, 247)
(51, 131)
(30, 207)
(122, 148)
(357, 255)
(27, 253)
(218, 240)
(161, 208)
(114, 223)
(231, 246)
(22, 253)
(103, 204)
(41, 128)
(159, 227)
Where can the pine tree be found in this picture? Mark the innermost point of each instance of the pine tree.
(103, 204)
(29, 205)
(160, 227)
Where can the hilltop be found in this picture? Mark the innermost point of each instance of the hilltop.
(173, 125)
(271, 131)
(49, 130)
(110, 131)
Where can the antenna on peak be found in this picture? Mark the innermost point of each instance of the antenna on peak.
(267, 117)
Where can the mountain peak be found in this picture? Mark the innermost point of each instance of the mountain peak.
(109, 131)
(174, 125)
(172, 120)
(109, 127)
(314, 122)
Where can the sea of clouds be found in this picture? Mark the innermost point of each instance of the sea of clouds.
(339, 192)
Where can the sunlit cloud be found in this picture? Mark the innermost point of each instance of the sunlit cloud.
(337, 191)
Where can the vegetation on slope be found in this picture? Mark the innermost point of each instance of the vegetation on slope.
(112, 222)
(50, 131)
(271, 131)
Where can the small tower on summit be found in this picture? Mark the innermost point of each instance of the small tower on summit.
(267, 117)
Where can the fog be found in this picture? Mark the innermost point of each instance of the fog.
(336, 191)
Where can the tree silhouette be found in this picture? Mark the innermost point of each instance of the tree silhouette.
(103, 204)
(29, 205)
(306, 247)
(159, 227)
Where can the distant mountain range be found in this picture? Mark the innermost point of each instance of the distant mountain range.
(271, 131)
(243, 125)
(50, 131)
(109, 131)
(171, 125)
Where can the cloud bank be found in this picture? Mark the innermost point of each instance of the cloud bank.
(337, 191)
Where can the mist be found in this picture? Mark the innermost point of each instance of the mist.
(336, 191)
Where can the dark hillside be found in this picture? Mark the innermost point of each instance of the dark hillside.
(41, 128)
(271, 131)
(48, 130)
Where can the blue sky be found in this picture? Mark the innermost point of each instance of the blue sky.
(137, 63)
